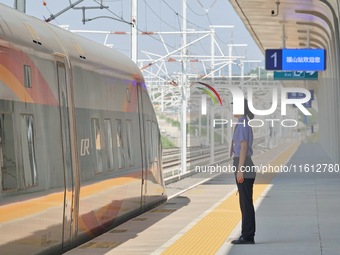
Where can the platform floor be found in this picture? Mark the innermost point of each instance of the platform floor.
(296, 213)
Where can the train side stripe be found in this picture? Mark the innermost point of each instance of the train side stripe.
(14, 84)
(22, 209)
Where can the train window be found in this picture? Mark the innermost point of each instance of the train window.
(150, 140)
(28, 151)
(155, 140)
(27, 76)
(128, 95)
(129, 141)
(96, 143)
(109, 144)
(120, 145)
(9, 175)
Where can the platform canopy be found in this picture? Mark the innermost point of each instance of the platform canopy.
(269, 21)
(276, 24)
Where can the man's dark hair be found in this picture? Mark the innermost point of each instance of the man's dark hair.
(247, 112)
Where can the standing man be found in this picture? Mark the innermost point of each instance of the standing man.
(242, 151)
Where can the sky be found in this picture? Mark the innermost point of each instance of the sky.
(154, 15)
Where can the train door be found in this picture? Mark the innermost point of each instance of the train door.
(143, 143)
(66, 153)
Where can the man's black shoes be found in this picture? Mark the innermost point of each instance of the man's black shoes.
(241, 240)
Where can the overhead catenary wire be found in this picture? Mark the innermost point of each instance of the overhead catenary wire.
(119, 18)
(139, 30)
(195, 25)
(211, 6)
(193, 11)
(149, 7)
(180, 16)
(175, 28)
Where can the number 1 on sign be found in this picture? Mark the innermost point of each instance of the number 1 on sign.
(274, 56)
(274, 59)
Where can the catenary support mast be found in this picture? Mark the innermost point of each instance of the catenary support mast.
(134, 45)
(20, 5)
(184, 93)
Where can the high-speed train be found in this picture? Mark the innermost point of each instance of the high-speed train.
(80, 145)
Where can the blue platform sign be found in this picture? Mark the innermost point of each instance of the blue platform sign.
(296, 59)
(274, 59)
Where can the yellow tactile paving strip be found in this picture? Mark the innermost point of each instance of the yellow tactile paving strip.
(207, 236)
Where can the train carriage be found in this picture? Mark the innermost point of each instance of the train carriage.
(79, 142)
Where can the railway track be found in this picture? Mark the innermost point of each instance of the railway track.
(196, 156)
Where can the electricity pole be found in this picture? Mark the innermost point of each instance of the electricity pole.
(134, 30)
(184, 93)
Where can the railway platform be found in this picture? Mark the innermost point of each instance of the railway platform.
(296, 212)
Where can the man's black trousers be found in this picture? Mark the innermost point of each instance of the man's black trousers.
(245, 191)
